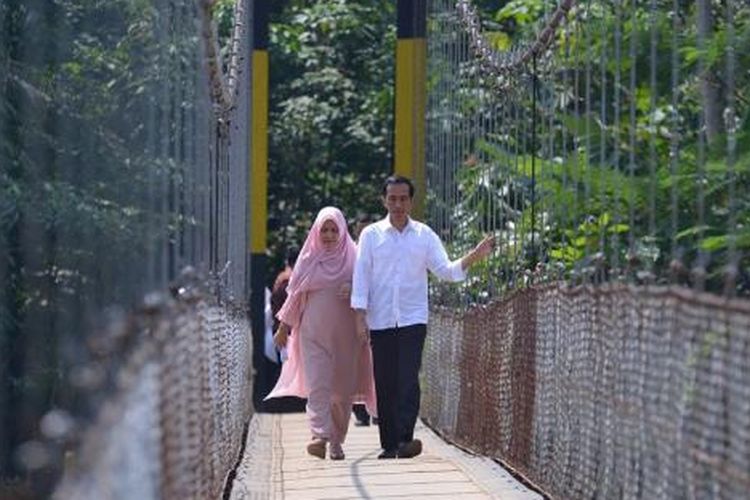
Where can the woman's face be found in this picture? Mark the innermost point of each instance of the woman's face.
(329, 234)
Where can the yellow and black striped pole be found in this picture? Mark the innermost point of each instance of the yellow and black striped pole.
(411, 68)
(258, 205)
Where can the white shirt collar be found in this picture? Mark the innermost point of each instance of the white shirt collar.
(387, 225)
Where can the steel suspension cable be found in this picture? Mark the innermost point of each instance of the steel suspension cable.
(698, 271)
(631, 254)
(731, 122)
(617, 186)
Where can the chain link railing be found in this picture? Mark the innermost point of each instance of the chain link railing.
(172, 426)
(603, 350)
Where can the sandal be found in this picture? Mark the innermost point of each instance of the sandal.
(317, 447)
(335, 451)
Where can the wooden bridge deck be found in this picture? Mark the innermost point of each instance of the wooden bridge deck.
(276, 466)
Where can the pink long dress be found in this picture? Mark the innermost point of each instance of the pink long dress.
(328, 363)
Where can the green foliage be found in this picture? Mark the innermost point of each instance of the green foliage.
(95, 100)
(75, 124)
(330, 117)
(521, 12)
(223, 13)
(603, 190)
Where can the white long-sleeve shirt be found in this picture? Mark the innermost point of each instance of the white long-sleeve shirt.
(390, 274)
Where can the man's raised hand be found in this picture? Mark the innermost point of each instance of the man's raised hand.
(485, 247)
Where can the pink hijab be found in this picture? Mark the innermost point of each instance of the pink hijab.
(316, 267)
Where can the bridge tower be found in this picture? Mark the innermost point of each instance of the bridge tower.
(258, 204)
(411, 68)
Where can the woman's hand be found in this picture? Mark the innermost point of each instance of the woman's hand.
(345, 290)
(281, 335)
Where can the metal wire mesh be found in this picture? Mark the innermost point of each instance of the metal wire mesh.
(600, 392)
(601, 351)
(595, 152)
(172, 427)
(123, 161)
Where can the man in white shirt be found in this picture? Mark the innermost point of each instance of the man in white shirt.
(389, 293)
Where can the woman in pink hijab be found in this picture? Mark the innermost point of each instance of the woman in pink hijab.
(328, 363)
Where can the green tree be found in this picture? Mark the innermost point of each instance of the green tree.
(331, 111)
(592, 152)
(94, 97)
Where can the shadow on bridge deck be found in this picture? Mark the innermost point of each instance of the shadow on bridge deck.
(276, 466)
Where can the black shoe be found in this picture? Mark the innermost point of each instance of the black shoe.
(410, 449)
(388, 454)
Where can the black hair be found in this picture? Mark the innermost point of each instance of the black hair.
(398, 179)
(291, 256)
(364, 218)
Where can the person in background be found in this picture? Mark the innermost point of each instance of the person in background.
(269, 348)
(389, 295)
(278, 292)
(361, 417)
(328, 363)
(276, 356)
(274, 300)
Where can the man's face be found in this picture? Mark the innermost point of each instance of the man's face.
(398, 202)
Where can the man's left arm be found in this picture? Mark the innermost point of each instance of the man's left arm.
(445, 269)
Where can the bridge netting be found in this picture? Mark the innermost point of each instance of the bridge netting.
(603, 351)
(123, 187)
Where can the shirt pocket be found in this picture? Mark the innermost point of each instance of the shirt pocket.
(416, 257)
(384, 252)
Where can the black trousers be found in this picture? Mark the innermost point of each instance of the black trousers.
(397, 359)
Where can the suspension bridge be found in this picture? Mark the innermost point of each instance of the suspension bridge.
(602, 351)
